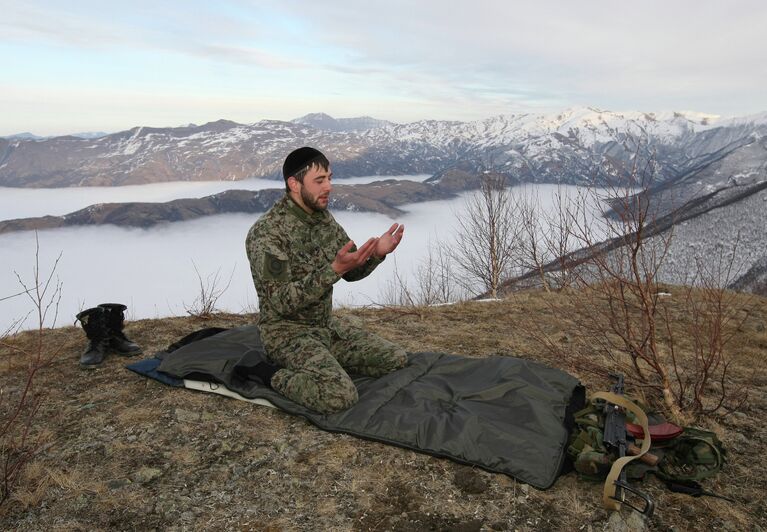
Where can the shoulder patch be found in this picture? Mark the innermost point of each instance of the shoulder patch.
(275, 268)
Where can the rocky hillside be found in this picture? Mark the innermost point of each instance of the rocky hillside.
(755, 279)
(719, 178)
(716, 217)
(714, 214)
(120, 452)
(572, 146)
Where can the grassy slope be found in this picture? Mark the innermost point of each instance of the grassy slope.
(124, 452)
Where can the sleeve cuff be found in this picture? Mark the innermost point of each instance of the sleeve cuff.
(328, 276)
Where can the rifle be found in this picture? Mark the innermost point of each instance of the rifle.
(615, 439)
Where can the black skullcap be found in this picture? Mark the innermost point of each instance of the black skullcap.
(299, 159)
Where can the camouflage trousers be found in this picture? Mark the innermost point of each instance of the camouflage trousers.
(315, 360)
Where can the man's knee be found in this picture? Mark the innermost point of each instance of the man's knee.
(320, 384)
(380, 359)
(296, 352)
(337, 397)
(398, 358)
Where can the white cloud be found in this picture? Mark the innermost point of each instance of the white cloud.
(214, 244)
(398, 59)
(703, 54)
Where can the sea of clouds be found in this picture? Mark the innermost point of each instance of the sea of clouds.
(157, 271)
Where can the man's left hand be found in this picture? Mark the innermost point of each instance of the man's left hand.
(389, 241)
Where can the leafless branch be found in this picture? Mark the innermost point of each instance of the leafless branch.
(18, 445)
(210, 291)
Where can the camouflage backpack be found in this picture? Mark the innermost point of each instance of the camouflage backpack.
(693, 455)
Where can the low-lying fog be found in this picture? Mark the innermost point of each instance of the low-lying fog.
(153, 270)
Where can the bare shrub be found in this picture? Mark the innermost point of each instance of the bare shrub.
(397, 292)
(210, 291)
(19, 406)
(621, 316)
(712, 321)
(433, 283)
(436, 278)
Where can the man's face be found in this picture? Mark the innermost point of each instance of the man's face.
(315, 190)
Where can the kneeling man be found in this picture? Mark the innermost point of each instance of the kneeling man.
(297, 251)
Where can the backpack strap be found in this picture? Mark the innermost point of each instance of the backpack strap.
(609, 500)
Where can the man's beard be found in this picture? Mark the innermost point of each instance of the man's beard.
(312, 203)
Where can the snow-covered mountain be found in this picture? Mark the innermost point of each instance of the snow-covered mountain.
(572, 146)
(328, 123)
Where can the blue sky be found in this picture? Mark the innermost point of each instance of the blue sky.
(107, 66)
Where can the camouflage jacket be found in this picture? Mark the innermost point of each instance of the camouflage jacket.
(290, 253)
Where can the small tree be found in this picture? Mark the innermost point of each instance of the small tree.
(18, 445)
(487, 236)
(546, 236)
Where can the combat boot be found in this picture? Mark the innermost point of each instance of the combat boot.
(94, 324)
(115, 321)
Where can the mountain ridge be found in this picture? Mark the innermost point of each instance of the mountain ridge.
(572, 146)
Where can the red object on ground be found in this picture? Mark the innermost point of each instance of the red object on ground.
(661, 432)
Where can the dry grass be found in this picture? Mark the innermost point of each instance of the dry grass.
(211, 462)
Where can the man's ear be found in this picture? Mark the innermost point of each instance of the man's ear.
(293, 184)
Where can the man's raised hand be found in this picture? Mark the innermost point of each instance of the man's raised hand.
(389, 241)
(347, 260)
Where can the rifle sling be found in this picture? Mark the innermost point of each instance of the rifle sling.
(608, 493)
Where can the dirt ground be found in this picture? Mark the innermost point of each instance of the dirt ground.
(122, 452)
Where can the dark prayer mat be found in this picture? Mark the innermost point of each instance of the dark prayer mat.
(503, 414)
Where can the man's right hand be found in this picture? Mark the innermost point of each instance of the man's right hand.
(346, 260)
